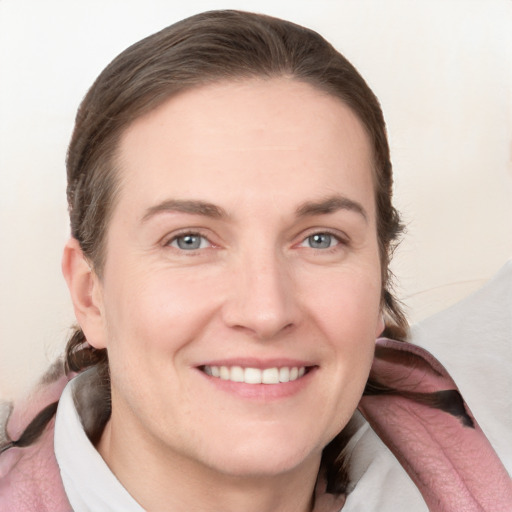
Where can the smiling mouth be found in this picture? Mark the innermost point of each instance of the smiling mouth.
(248, 375)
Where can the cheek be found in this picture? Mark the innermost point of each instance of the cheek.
(155, 311)
(349, 304)
(350, 316)
(151, 320)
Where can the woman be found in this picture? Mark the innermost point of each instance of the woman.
(229, 189)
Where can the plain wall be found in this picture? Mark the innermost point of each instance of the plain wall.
(442, 70)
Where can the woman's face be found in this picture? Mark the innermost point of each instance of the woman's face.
(243, 248)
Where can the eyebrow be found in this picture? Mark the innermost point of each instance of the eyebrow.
(309, 208)
(185, 206)
(331, 205)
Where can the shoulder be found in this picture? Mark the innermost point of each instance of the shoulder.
(473, 339)
(29, 476)
(428, 419)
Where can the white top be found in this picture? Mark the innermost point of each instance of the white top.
(88, 481)
(381, 485)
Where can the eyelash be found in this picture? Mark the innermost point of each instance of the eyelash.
(341, 241)
(184, 234)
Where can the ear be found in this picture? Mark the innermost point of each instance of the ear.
(381, 325)
(86, 293)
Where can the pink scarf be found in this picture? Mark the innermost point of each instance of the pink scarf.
(445, 453)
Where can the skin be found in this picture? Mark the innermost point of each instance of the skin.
(257, 290)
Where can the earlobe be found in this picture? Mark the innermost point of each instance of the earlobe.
(86, 294)
(381, 325)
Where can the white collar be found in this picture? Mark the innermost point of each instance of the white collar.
(89, 484)
(381, 484)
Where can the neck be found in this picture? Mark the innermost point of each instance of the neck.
(169, 481)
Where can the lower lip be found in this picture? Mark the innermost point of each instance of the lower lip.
(261, 392)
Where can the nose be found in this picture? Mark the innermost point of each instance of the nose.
(262, 299)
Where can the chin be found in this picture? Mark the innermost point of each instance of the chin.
(265, 459)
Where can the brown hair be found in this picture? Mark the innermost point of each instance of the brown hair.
(207, 48)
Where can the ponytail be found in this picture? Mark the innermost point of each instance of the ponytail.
(79, 356)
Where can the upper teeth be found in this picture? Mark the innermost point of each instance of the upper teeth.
(255, 375)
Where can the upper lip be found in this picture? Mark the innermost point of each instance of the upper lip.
(251, 362)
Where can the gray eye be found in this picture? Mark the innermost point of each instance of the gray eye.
(189, 242)
(320, 240)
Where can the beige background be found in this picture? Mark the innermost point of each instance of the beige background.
(443, 72)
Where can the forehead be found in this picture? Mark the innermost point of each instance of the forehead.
(240, 134)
